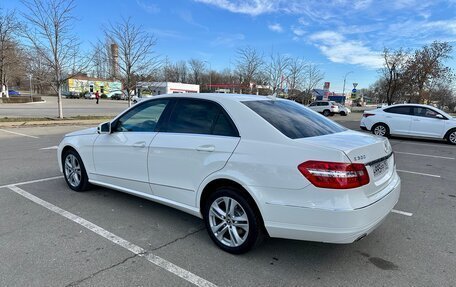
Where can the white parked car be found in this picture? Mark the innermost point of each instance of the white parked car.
(89, 96)
(343, 110)
(411, 120)
(248, 165)
(327, 108)
(136, 99)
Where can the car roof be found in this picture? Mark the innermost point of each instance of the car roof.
(408, 105)
(216, 96)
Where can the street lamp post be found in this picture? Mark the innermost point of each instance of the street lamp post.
(345, 79)
(30, 78)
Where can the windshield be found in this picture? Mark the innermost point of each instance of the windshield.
(292, 119)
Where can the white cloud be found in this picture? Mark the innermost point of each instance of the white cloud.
(251, 7)
(228, 40)
(298, 31)
(148, 7)
(276, 27)
(340, 50)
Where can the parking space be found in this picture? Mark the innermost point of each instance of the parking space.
(104, 237)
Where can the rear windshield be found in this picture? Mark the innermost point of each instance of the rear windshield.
(293, 120)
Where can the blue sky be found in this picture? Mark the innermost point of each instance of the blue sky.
(340, 36)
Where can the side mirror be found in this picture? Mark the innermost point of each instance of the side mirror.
(439, 116)
(104, 128)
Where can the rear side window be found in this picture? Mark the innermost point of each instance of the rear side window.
(195, 116)
(293, 120)
(405, 110)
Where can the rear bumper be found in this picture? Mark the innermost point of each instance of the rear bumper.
(363, 128)
(331, 226)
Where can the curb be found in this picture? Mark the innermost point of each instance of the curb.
(51, 123)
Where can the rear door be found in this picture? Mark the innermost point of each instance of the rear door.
(426, 124)
(197, 140)
(398, 119)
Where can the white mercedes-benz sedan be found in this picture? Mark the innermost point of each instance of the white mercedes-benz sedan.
(250, 166)
(410, 120)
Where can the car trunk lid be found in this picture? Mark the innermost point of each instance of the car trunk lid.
(372, 151)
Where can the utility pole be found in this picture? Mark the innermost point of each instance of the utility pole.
(30, 78)
(345, 79)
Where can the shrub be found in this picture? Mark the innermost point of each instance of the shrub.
(103, 96)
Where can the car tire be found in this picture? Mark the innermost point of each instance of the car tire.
(381, 129)
(326, 113)
(74, 171)
(451, 136)
(343, 114)
(236, 232)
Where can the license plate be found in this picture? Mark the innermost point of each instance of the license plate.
(380, 168)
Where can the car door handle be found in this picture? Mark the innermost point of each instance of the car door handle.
(416, 120)
(139, 145)
(388, 117)
(209, 148)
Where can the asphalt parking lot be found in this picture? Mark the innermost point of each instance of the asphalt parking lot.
(52, 236)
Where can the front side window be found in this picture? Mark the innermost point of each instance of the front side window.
(292, 119)
(403, 110)
(142, 118)
(195, 116)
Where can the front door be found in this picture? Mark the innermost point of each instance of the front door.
(120, 158)
(426, 124)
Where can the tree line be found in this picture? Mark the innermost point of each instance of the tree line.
(417, 76)
(39, 42)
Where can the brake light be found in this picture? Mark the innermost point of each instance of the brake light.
(366, 115)
(335, 175)
(333, 107)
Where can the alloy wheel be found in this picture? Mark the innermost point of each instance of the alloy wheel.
(73, 170)
(228, 221)
(452, 137)
(380, 130)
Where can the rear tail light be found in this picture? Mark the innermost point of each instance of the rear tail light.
(335, 175)
(366, 115)
(333, 107)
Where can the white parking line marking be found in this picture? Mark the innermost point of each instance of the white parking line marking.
(437, 144)
(402, 212)
(426, 155)
(19, 134)
(32, 181)
(414, 172)
(154, 259)
(51, 147)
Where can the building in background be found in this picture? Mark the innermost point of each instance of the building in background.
(82, 84)
(160, 88)
(324, 95)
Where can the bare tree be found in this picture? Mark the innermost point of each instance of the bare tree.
(296, 71)
(249, 64)
(197, 68)
(102, 59)
(49, 31)
(137, 57)
(277, 69)
(312, 78)
(392, 72)
(8, 27)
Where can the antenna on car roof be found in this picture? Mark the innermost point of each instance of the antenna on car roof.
(273, 96)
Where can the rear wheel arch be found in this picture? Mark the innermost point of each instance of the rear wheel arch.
(447, 135)
(216, 184)
(388, 130)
